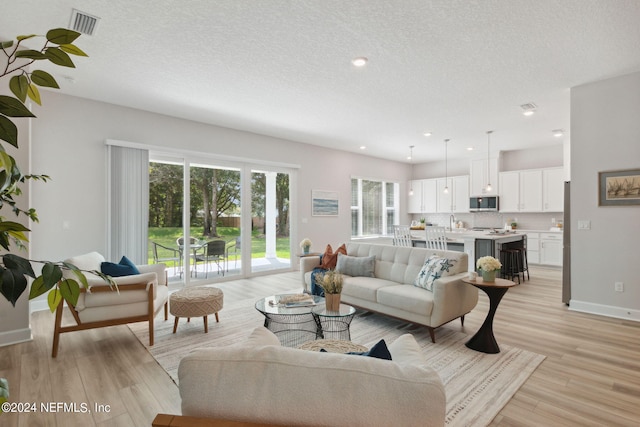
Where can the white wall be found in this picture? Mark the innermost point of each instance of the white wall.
(68, 144)
(548, 156)
(605, 136)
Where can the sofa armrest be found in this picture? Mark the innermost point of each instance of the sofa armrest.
(308, 263)
(452, 298)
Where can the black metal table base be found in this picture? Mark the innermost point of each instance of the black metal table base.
(484, 340)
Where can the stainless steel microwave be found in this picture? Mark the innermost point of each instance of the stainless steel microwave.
(484, 203)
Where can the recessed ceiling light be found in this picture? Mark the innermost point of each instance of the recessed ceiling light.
(469, 148)
(360, 61)
(362, 147)
(427, 134)
(557, 133)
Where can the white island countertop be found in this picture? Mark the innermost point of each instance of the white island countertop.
(460, 235)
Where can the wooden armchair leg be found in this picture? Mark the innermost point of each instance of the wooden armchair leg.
(462, 319)
(432, 334)
(166, 310)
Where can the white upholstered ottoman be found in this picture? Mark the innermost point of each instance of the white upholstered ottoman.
(199, 301)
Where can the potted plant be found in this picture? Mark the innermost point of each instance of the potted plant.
(305, 245)
(488, 266)
(331, 281)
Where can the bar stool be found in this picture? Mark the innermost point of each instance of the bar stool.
(510, 259)
(522, 256)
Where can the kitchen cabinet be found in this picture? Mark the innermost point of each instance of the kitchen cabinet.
(551, 249)
(553, 190)
(460, 194)
(444, 204)
(521, 191)
(423, 199)
(479, 178)
(533, 248)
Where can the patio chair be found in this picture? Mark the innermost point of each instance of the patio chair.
(215, 251)
(165, 254)
(234, 249)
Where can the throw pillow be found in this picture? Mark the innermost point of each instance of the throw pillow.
(379, 351)
(329, 258)
(433, 268)
(124, 268)
(356, 266)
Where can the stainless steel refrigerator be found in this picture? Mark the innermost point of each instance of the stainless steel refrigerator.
(566, 246)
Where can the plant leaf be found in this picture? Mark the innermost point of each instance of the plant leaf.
(7, 44)
(70, 291)
(44, 79)
(19, 85)
(51, 274)
(34, 94)
(62, 36)
(30, 36)
(12, 107)
(37, 288)
(8, 131)
(13, 285)
(30, 54)
(18, 264)
(12, 226)
(54, 298)
(58, 57)
(78, 274)
(72, 49)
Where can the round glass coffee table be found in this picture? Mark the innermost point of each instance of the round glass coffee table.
(334, 325)
(292, 325)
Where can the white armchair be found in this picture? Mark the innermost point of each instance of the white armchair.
(138, 298)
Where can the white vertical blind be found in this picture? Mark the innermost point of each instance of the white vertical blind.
(128, 205)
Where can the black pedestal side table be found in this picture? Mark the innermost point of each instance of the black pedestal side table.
(483, 340)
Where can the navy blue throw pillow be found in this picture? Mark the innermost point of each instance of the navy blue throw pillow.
(124, 268)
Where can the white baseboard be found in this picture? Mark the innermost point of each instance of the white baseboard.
(38, 305)
(605, 310)
(15, 337)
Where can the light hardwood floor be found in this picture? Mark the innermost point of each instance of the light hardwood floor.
(590, 377)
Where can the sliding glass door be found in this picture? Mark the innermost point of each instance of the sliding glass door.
(211, 246)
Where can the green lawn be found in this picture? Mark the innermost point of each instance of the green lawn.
(167, 236)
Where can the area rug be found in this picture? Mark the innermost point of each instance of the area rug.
(477, 385)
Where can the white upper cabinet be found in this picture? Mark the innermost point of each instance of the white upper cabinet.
(429, 196)
(445, 204)
(423, 199)
(480, 177)
(553, 190)
(461, 193)
(535, 190)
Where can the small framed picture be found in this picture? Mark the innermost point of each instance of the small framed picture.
(619, 188)
(324, 203)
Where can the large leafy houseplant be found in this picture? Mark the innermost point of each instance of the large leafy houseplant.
(24, 81)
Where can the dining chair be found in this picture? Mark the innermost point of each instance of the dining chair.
(402, 236)
(165, 254)
(436, 238)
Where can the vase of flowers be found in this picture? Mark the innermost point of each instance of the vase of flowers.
(331, 282)
(488, 266)
(305, 245)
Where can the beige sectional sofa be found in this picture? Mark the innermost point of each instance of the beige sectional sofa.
(392, 291)
(260, 382)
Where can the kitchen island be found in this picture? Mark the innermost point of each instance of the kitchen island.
(476, 243)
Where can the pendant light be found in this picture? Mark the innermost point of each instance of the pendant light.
(411, 162)
(446, 167)
(488, 188)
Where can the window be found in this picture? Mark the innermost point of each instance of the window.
(374, 207)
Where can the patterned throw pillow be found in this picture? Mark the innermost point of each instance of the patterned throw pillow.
(433, 268)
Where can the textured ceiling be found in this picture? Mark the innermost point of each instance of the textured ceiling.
(282, 68)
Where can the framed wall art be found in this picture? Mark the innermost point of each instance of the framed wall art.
(619, 188)
(324, 203)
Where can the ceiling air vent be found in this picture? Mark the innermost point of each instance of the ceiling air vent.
(83, 22)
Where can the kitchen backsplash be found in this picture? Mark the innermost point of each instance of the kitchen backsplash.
(526, 221)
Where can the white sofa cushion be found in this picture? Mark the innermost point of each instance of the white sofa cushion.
(274, 384)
